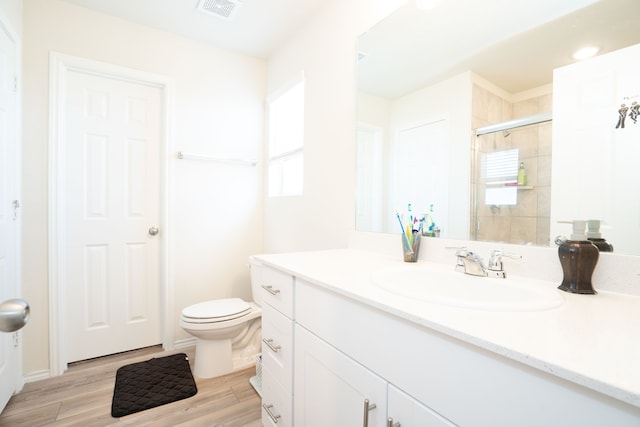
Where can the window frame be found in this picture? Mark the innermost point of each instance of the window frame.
(281, 157)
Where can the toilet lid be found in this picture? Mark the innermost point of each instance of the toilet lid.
(228, 308)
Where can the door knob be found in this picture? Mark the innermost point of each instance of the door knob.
(14, 314)
(153, 231)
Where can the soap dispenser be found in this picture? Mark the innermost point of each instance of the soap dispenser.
(594, 235)
(578, 257)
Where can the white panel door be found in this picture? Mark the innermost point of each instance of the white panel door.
(9, 354)
(421, 171)
(113, 131)
(370, 172)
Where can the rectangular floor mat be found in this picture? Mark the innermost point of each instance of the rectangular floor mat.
(156, 382)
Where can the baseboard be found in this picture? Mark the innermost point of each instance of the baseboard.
(45, 374)
(187, 342)
(37, 376)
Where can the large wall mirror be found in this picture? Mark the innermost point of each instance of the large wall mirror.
(450, 93)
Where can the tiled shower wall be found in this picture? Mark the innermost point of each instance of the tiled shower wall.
(527, 222)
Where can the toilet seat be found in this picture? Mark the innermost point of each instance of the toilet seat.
(215, 311)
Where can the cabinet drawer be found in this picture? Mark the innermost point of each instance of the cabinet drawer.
(277, 345)
(277, 290)
(276, 403)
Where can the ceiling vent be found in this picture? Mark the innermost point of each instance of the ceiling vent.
(225, 9)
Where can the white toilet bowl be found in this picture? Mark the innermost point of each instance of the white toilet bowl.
(228, 335)
(228, 331)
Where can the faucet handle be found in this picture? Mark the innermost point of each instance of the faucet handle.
(495, 266)
(459, 249)
(461, 252)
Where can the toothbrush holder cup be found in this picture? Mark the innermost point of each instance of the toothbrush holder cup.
(411, 246)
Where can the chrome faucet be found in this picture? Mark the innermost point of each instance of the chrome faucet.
(470, 263)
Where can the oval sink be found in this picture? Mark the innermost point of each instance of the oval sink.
(448, 287)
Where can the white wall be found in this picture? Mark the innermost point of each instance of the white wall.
(326, 50)
(595, 164)
(448, 100)
(11, 11)
(373, 111)
(215, 212)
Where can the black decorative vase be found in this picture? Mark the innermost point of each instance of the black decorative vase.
(578, 259)
(601, 244)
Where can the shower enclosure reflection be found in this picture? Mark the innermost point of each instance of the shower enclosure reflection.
(504, 208)
(508, 208)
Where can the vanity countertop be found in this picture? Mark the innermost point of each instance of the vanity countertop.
(590, 340)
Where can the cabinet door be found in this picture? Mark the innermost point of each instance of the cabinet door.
(408, 412)
(331, 388)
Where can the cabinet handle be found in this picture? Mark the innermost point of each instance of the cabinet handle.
(367, 407)
(390, 423)
(269, 343)
(270, 289)
(273, 417)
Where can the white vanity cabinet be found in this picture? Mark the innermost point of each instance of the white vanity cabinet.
(277, 345)
(341, 343)
(456, 383)
(332, 389)
(405, 411)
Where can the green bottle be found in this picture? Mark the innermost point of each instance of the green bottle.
(522, 175)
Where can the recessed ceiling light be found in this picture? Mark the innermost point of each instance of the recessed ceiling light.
(225, 9)
(585, 52)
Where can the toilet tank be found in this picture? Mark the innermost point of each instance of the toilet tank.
(255, 268)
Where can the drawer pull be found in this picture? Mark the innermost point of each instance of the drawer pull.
(273, 417)
(269, 343)
(367, 407)
(390, 423)
(270, 289)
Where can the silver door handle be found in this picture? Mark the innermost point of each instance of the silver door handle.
(273, 417)
(14, 314)
(269, 343)
(153, 231)
(367, 407)
(270, 289)
(390, 423)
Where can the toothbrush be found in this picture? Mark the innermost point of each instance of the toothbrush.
(404, 234)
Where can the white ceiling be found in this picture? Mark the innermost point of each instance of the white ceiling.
(494, 38)
(257, 28)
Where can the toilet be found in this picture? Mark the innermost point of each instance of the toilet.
(228, 333)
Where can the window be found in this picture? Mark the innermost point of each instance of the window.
(501, 167)
(286, 140)
(500, 172)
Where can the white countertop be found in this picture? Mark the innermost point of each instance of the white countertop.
(590, 340)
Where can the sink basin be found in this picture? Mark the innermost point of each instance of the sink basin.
(448, 287)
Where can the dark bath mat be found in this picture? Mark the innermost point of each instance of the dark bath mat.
(145, 385)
